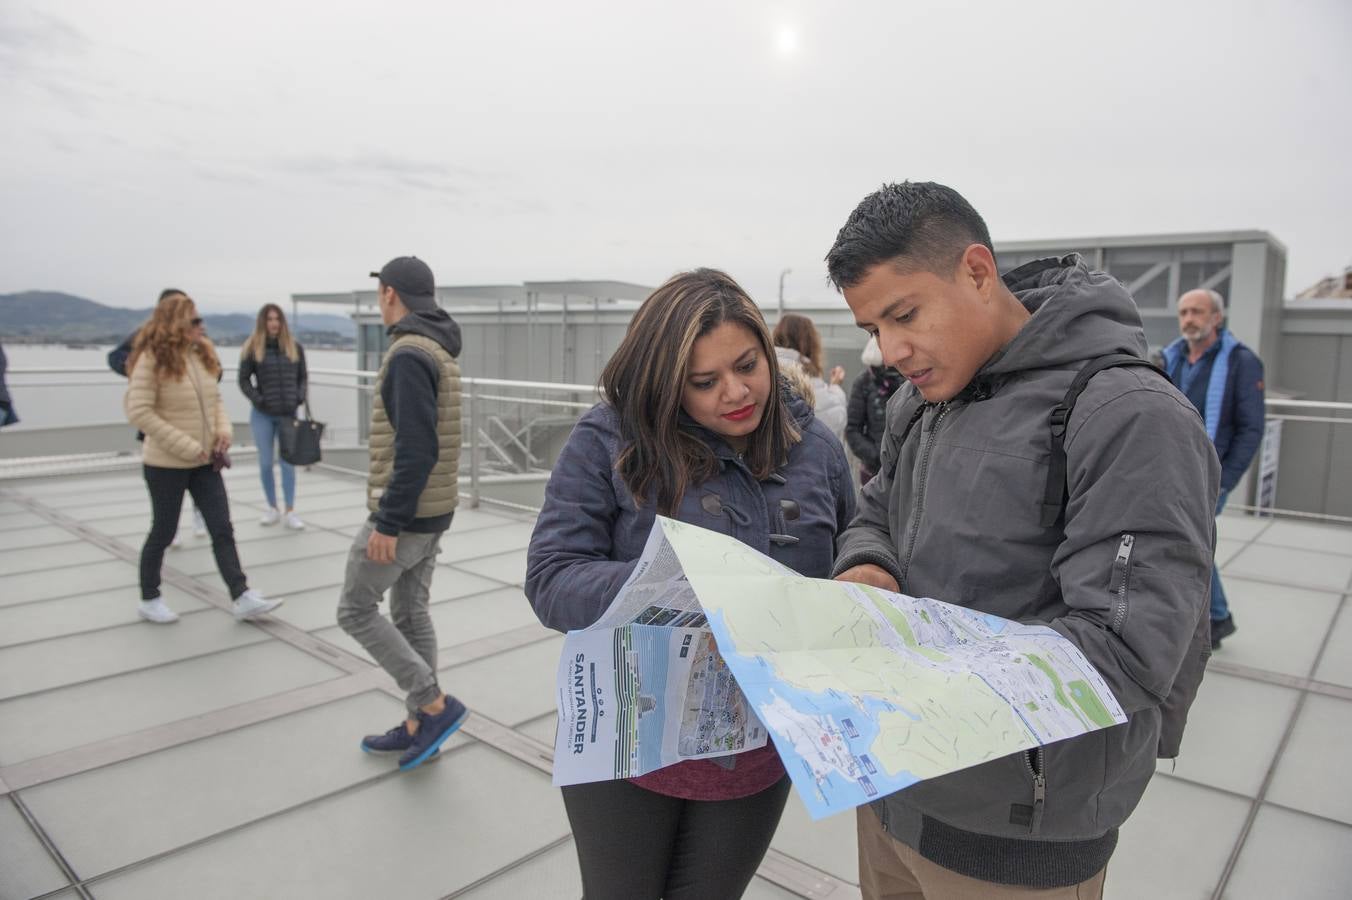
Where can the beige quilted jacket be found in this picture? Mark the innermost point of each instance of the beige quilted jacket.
(181, 417)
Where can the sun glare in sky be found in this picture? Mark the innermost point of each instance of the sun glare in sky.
(787, 41)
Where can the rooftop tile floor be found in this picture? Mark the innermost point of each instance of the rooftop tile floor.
(143, 762)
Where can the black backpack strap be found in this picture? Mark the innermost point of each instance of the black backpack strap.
(1054, 498)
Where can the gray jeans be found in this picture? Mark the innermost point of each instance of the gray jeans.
(407, 649)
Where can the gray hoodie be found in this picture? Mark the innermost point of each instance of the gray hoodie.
(954, 515)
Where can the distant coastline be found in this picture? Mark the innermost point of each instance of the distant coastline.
(52, 317)
(313, 340)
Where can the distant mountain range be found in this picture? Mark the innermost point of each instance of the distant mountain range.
(51, 316)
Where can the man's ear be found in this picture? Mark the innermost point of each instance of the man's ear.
(978, 264)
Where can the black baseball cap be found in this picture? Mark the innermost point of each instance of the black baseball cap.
(412, 279)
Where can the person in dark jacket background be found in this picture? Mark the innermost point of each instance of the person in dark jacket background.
(696, 425)
(866, 421)
(1224, 379)
(272, 375)
(7, 414)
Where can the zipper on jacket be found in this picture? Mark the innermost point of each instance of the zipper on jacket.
(918, 508)
(1121, 571)
(1032, 759)
(209, 432)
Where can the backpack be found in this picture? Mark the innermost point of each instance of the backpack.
(1174, 709)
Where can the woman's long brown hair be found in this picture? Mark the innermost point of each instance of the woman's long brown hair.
(798, 333)
(165, 335)
(257, 344)
(645, 379)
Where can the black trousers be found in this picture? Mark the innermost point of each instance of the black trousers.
(633, 844)
(207, 488)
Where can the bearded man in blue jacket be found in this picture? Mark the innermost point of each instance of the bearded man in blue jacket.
(1224, 380)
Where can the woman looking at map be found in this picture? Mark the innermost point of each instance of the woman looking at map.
(696, 425)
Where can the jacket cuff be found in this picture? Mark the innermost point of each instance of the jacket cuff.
(385, 528)
(884, 561)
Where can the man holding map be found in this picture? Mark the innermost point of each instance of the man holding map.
(1095, 520)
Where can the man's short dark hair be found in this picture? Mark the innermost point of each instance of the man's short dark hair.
(918, 225)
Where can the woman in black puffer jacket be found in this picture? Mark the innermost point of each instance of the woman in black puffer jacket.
(272, 375)
(866, 422)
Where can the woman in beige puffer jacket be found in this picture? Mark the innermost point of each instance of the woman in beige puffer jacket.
(173, 397)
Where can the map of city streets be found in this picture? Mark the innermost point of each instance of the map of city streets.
(866, 692)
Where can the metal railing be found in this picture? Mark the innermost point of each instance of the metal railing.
(510, 428)
(513, 428)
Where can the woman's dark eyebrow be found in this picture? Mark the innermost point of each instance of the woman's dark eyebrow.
(739, 359)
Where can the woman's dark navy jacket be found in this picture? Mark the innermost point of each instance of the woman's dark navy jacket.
(590, 531)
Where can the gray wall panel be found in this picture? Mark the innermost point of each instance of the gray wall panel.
(1309, 367)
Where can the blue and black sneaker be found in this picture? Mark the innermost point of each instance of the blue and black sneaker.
(397, 739)
(433, 732)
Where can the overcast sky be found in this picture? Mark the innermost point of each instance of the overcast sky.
(263, 148)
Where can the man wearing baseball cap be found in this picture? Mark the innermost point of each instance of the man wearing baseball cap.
(411, 491)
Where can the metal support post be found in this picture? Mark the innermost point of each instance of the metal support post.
(473, 447)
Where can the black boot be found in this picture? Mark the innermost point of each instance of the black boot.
(1221, 628)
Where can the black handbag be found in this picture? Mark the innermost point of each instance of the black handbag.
(299, 439)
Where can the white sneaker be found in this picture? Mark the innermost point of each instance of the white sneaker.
(252, 604)
(199, 525)
(271, 517)
(156, 611)
(293, 522)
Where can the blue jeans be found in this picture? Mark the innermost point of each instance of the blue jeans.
(265, 428)
(1219, 608)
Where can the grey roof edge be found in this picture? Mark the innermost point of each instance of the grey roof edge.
(582, 288)
(1172, 239)
(347, 298)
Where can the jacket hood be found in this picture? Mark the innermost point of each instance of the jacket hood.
(1078, 314)
(436, 324)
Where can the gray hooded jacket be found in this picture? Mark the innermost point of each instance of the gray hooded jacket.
(954, 515)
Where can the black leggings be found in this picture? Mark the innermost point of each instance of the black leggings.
(633, 844)
(166, 502)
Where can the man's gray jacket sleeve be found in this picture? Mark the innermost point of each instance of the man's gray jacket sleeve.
(1134, 567)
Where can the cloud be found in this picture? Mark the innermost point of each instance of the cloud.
(35, 48)
(382, 169)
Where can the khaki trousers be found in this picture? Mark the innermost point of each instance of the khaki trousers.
(890, 870)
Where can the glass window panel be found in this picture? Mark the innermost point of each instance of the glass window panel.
(1160, 331)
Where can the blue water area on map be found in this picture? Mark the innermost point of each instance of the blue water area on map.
(994, 623)
(857, 721)
(652, 643)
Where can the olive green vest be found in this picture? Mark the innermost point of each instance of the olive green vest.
(441, 494)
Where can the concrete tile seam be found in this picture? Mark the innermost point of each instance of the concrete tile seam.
(1280, 679)
(120, 748)
(233, 829)
(1309, 815)
(135, 670)
(131, 620)
(47, 843)
(1271, 772)
(516, 864)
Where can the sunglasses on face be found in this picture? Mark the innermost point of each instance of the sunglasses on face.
(194, 322)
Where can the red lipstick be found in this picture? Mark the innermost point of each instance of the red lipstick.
(737, 415)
